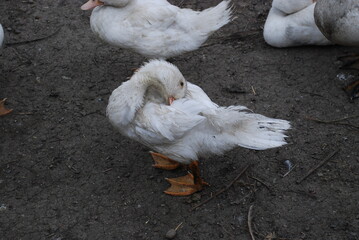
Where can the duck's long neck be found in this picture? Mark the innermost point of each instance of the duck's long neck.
(127, 99)
(140, 85)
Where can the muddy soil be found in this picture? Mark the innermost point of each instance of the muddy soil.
(65, 173)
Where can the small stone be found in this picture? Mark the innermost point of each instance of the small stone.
(171, 234)
(3, 207)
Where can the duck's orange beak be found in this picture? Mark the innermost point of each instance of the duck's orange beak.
(170, 100)
(91, 4)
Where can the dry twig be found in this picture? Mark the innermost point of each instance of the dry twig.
(336, 121)
(33, 40)
(291, 169)
(262, 182)
(250, 222)
(254, 91)
(221, 191)
(319, 165)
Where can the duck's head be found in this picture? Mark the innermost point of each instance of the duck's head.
(94, 3)
(166, 78)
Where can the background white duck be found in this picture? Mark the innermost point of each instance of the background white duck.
(155, 28)
(3, 110)
(338, 21)
(291, 23)
(160, 109)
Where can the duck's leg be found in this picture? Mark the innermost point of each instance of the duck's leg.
(3, 110)
(187, 185)
(350, 61)
(163, 162)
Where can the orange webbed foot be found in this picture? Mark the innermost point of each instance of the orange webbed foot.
(187, 185)
(163, 162)
(184, 186)
(3, 110)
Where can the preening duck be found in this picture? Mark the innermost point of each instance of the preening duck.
(160, 109)
(291, 23)
(155, 28)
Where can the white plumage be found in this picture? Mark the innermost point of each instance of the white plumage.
(155, 28)
(192, 126)
(291, 23)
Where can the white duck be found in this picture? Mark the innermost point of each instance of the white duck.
(338, 21)
(291, 23)
(160, 109)
(155, 28)
(3, 110)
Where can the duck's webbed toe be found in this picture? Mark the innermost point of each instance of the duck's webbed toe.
(163, 162)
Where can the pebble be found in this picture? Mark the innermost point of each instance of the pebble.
(171, 234)
(3, 208)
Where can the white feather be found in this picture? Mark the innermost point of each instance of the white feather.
(193, 126)
(157, 29)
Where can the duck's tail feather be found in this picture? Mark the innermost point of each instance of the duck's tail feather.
(248, 129)
(259, 132)
(214, 18)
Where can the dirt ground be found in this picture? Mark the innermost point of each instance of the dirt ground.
(65, 173)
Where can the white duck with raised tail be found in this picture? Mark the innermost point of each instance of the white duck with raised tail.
(155, 28)
(291, 23)
(160, 109)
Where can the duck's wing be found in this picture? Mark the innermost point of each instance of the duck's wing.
(291, 6)
(157, 16)
(162, 124)
(198, 95)
(159, 123)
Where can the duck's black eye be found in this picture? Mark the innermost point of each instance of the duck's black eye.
(181, 83)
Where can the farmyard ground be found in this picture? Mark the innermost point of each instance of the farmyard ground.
(66, 174)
